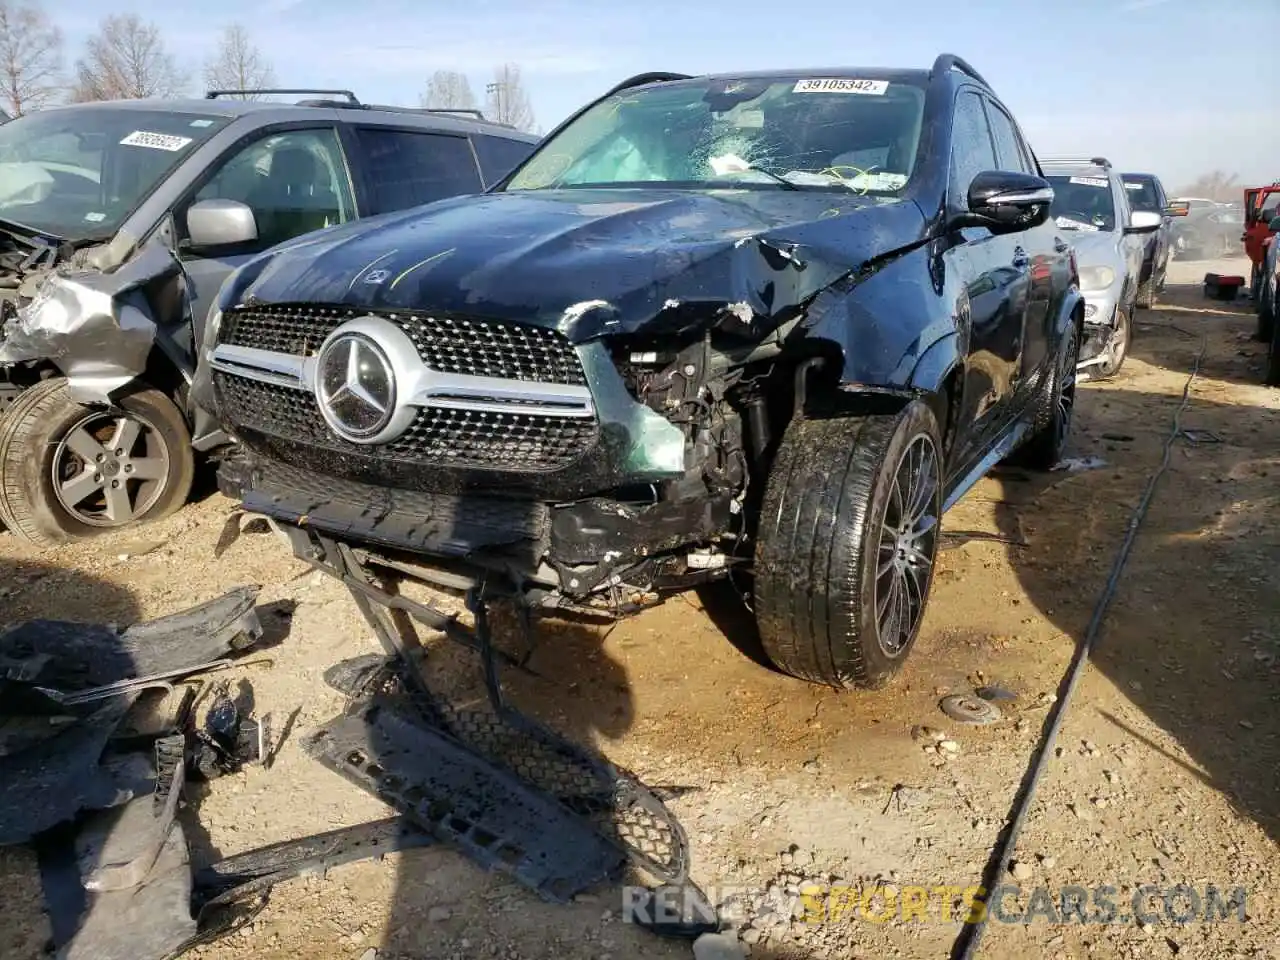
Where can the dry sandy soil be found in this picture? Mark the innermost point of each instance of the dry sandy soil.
(1167, 769)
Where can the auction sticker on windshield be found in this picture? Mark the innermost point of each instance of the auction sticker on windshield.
(875, 88)
(155, 141)
(1091, 181)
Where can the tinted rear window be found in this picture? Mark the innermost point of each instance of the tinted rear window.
(409, 168)
(499, 156)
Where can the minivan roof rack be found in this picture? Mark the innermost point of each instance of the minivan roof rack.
(640, 79)
(1095, 161)
(949, 61)
(215, 94)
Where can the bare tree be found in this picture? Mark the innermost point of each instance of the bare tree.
(126, 60)
(449, 90)
(508, 101)
(30, 58)
(1215, 186)
(239, 64)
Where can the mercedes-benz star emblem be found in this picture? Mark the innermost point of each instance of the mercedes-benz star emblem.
(355, 386)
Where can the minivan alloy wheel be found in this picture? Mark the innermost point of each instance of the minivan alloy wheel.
(110, 468)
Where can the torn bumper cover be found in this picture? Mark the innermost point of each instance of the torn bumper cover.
(98, 328)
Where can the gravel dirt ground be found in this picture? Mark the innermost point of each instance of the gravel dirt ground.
(1166, 772)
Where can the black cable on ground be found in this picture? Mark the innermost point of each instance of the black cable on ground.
(966, 944)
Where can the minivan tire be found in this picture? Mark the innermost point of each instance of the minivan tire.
(45, 429)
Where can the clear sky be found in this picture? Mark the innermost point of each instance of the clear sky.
(1176, 87)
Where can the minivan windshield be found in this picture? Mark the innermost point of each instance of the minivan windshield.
(816, 133)
(77, 173)
(1082, 203)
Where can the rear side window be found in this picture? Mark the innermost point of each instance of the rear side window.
(498, 156)
(408, 168)
(971, 149)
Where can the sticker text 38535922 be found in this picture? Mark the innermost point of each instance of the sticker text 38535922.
(155, 141)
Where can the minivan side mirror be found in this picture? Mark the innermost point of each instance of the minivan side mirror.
(1144, 221)
(220, 223)
(1005, 201)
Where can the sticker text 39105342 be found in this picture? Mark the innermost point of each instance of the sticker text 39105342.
(875, 88)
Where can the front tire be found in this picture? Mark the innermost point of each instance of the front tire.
(848, 539)
(70, 472)
(1117, 348)
(1273, 352)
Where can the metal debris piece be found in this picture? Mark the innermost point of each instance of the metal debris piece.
(1201, 436)
(995, 694)
(460, 797)
(1079, 464)
(85, 657)
(968, 709)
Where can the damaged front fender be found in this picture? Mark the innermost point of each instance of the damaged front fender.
(98, 329)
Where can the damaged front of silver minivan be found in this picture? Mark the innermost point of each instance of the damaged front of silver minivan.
(95, 320)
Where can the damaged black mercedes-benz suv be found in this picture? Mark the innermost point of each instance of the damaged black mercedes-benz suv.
(761, 328)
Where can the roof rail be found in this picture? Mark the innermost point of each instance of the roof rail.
(640, 79)
(439, 111)
(215, 94)
(1095, 161)
(949, 61)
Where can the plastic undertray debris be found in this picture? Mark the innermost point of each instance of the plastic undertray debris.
(146, 921)
(462, 798)
(74, 658)
(617, 804)
(55, 779)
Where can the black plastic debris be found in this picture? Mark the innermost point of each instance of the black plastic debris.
(151, 919)
(460, 797)
(246, 873)
(230, 737)
(622, 809)
(58, 777)
(82, 660)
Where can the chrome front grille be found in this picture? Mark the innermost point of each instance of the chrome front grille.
(445, 342)
(472, 394)
(438, 437)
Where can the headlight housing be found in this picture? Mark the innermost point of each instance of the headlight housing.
(1096, 278)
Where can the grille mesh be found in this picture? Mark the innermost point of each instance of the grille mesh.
(448, 343)
(438, 437)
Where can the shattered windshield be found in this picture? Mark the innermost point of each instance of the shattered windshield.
(78, 173)
(797, 133)
(1083, 203)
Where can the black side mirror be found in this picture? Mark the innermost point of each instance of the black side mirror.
(1005, 202)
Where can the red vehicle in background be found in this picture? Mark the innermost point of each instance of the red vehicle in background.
(1261, 204)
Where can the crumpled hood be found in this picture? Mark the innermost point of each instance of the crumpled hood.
(1096, 249)
(591, 261)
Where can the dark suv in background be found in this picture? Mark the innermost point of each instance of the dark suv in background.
(1147, 195)
(119, 221)
(767, 326)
